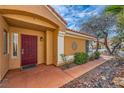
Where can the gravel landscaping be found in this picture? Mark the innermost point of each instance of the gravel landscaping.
(104, 76)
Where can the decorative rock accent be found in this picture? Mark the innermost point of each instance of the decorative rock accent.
(118, 81)
(122, 83)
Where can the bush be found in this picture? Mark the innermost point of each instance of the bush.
(94, 56)
(122, 49)
(80, 58)
(97, 55)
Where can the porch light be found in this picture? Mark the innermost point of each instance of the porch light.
(41, 38)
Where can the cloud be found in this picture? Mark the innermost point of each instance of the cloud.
(75, 15)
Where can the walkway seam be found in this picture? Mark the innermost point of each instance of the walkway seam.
(68, 74)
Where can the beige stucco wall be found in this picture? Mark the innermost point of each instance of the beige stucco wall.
(27, 22)
(4, 59)
(49, 47)
(23, 19)
(55, 46)
(16, 62)
(52, 47)
(39, 11)
(68, 45)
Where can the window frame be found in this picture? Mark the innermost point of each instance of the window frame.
(17, 42)
(7, 49)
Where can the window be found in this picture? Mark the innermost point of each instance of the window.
(74, 45)
(87, 46)
(15, 44)
(5, 42)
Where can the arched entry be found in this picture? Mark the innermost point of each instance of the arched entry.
(29, 24)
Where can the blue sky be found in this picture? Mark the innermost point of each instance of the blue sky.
(75, 15)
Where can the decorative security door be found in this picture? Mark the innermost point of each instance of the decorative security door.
(28, 50)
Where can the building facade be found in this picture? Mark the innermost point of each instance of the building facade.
(34, 35)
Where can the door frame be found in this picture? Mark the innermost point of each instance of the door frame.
(21, 49)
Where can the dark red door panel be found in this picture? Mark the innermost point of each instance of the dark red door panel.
(28, 50)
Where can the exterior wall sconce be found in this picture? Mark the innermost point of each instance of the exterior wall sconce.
(41, 38)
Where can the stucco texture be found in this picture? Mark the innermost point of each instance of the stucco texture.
(38, 11)
(30, 20)
(4, 59)
(68, 41)
(16, 62)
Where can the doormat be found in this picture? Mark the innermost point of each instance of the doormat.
(27, 67)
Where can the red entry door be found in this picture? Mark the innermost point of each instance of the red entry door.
(28, 50)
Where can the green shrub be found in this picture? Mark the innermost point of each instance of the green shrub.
(97, 55)
(122, 49)
(80, 58)
(94, 56)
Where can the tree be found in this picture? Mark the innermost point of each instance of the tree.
(90, 27)
(118, 12)
(114, 9)
(101, 26)
(107, 24)
(116, 42)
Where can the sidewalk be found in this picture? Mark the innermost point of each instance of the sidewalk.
(84, 68)
(44, 76)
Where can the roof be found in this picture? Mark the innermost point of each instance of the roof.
(53, 10)
(81, 33)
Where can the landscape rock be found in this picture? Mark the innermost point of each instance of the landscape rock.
(122, 83)
(103, 77)
(118, 81)
(108, 75)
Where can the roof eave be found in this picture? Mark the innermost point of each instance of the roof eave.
(51, 9)
(82, 33)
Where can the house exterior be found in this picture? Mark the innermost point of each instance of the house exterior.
(34, 35)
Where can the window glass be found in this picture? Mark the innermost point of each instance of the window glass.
(74, 45)
(15, 44)
(5, 42)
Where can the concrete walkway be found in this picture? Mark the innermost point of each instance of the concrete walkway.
(44, 76)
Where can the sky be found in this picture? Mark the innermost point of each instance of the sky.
(75, 15)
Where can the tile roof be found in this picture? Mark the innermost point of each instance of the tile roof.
(81, 33)
(53, 10)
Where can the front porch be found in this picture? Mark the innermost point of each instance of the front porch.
(26, 40)
(44, 76)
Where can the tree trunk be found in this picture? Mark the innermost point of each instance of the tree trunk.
(114, 48)
(106, 44)
(97, 45)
